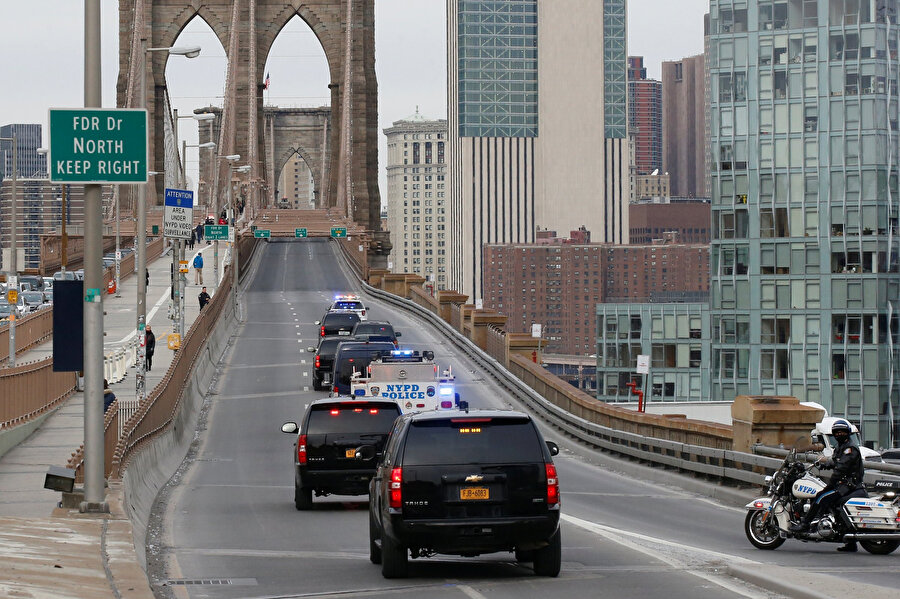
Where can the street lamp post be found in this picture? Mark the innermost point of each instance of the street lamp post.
(231, 158)
(141, 241)
(234, 250)
(12, 281)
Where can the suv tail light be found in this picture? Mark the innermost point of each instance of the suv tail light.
(301, 450)
(552, 486)
(363, 312)
(335, 389)
(318, 361)
(322, 331)
(396, 498)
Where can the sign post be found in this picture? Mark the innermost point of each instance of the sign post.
(179, 216)
(643, 368)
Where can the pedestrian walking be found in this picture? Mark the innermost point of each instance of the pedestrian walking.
(204, 298)
(150, 343)
(193, 239)
(108, 396)
(198, 269)
(199, 231)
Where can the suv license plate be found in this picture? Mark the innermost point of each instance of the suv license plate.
(474, 493)
(343, 332)
(350, 453)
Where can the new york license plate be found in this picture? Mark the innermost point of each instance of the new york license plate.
(474, 493)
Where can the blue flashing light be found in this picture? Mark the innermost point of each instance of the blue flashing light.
(359, 392)
(402, 352)
(446, 391)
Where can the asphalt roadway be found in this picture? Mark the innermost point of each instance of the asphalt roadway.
(226, 525)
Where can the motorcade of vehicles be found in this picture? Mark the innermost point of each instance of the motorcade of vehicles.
(337, 323)
(465, 483)
(821, 435)
(353, 357)
(376, 330)
(875, 523)
(33, 300)
(349, 301)
(328, 456)
(323, 362)
(411, 378)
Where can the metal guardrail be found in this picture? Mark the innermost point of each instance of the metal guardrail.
(883, 468)
(28, 390)
(729, 466)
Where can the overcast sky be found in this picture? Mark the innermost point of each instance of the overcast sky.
(42, 59)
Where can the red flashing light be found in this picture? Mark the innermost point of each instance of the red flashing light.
(335, 389)
(301, 450)
(358, 410)
(335, 412)
(396, 498)
(552, 485)
(758, 505)
(322, 331)
(373, 411)
(318, 362)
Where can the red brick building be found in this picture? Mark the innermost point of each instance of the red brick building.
(559, 286)
(689, 220)
(645, 117)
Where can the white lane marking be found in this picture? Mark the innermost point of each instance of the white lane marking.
(305, 388)
(618, 535)
(302, 362)
(470, 591)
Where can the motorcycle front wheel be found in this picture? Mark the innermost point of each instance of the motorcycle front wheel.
(880, 547)
(762, 532)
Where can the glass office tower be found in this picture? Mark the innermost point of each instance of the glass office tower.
(804, 281)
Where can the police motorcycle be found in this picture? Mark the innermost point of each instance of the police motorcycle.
(875, 523)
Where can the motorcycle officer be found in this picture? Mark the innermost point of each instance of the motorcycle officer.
(848, 474)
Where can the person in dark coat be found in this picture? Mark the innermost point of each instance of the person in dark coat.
(204, 298)
(193, 239)
(108, 396)
(150, 347)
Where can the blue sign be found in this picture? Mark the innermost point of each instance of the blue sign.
(178, 221)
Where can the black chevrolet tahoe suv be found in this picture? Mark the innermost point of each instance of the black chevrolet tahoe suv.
(327, 454)
(323, 363)
(465, 483)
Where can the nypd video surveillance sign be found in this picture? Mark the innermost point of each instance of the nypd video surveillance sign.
(179, 217)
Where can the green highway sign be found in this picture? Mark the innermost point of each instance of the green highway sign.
(262, 233)
(300, 233)
(339, 232)
(216, 232)
(98, 145)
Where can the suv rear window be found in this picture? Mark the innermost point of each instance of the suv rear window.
(328, 346)
(356, 417)
(366, 328)
(472, 441)
(335, 320)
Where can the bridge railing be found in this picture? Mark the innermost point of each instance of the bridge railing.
(30, 331)
(31, 389)
(156, 413)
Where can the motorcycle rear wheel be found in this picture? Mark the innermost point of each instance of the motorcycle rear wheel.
(763, 534)
(880, 547)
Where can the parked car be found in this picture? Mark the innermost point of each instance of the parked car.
(36, 282)
(48, 283)
(5, 311)
(33, 300)
(327, 459)
(891, 456)
(375, 330)
(465, 483)
(337, 323)
(68, 275)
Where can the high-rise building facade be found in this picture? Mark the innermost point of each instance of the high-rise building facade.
(685, 141)
(529, 144)
(805, 289)
(30, 163)
(416, 198)
(645, 117)
(296, 188)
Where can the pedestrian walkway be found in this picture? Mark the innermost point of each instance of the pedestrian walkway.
(22, 469)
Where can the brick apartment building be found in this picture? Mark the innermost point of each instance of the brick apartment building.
(688, 220)
(645, 117)
(559, 285)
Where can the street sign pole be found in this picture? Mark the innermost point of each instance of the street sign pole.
(94, 462)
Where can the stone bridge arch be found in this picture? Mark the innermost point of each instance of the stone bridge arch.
(247, 30)
(304, 131)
